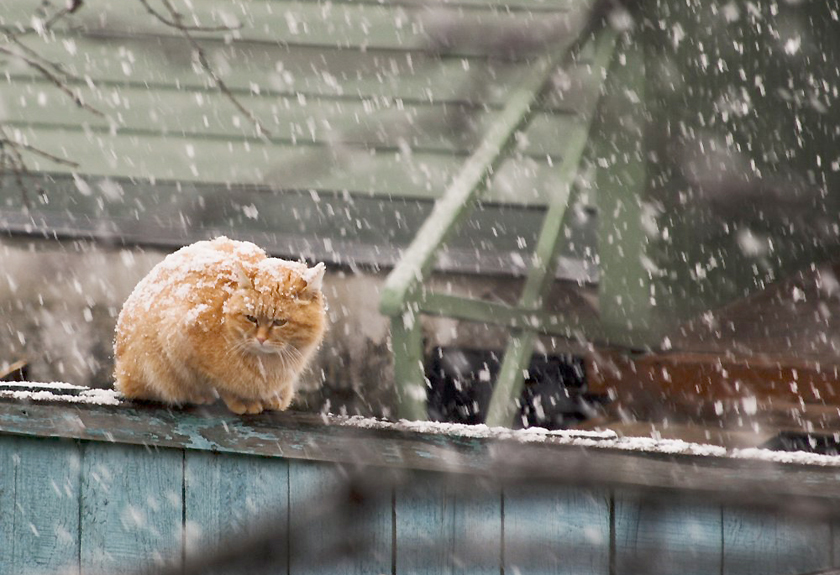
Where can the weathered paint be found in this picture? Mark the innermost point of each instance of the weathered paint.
(39, 498)
(443, 531)
(104, 505)
(312, 484)
(302, 436)
(225, 495)
(131, 507)
(656, 537)
(569, 528)
(774, 544)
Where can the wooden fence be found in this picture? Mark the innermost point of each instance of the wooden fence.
(117, 489)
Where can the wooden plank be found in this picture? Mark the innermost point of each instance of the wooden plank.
(774, 544)
(46, 507)
(554, 531)
(356, 170)
(285, 166)
(533, 5)
(132, 506)
(470, 183)
(230, 496)
(337, 228)
(409, 369)
(835, 542)
(8, 466)
(308, 436)
(661, 535)
(302, 72)
(626, 236)
(310, 484)
(24, 9)
(276, 70)
(422, 127)
(443, 529)
(342, 25)
(569, 325)
(541, 273)
(695, 382)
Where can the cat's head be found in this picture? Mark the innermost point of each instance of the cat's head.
(277, 309)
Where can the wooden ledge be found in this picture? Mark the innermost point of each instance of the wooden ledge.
(562, 458)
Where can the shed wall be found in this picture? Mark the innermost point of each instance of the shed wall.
(98, 507)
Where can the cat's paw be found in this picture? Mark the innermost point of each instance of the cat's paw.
(202, 399)
(242, 406)
(278, 402)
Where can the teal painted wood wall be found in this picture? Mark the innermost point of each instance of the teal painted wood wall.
(98, 507)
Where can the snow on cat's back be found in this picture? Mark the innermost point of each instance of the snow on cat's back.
(220, 319)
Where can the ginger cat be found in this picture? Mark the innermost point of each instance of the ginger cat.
(220, 319)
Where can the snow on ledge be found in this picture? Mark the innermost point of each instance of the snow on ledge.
(591, 439)
(65, 392)
(59, 391)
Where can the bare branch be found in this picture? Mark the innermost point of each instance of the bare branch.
(59, 69)
(176, 22)
(47, 155)
(70, 9)
(59, 82)
(14, 33)
(13, 158)
(181, 26)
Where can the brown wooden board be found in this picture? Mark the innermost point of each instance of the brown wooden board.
(709, 377)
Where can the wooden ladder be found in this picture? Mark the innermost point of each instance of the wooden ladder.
(404, 297)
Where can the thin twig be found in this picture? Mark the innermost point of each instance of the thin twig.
(12, 151)
(70, 9)
(14, 33)
(181, 26)
(11, 156)
(205, 65)
(47, 155)
(45, 62)
(59, 82)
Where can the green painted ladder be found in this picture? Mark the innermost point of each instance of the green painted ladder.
(404, 296)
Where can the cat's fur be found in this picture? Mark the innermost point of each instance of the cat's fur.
(220, 319)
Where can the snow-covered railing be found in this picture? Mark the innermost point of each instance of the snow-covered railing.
(75, 412)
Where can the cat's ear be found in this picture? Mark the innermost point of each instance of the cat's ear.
(242, 278)
(314, 278)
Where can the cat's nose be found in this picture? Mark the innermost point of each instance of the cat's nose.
(261, 338)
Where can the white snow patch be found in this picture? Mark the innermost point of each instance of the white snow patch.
(52, 391)
(51, 385)
(463, 430)
(251, 211)
(590, 439)
(792, 45)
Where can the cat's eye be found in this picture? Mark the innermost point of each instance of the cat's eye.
(279, 322)
(251, 318)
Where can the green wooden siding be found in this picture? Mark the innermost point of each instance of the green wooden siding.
(370, 119)
(384, 96)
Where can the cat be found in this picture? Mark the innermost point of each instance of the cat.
(220, 319)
